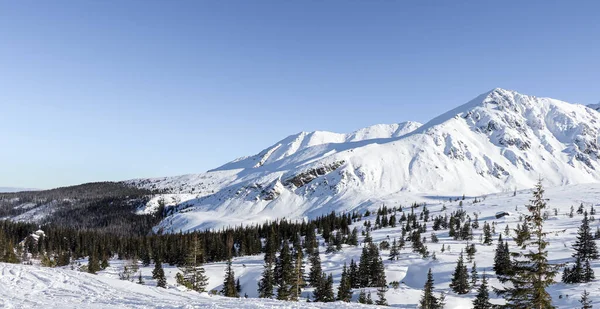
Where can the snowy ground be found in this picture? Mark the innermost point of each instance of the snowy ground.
(30, 286)
(24, 286)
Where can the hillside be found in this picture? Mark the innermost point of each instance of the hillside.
(64, 288)
(498, 142)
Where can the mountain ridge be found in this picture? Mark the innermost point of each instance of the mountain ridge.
(500, 141)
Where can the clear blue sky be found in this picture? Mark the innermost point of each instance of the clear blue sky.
(112, 90)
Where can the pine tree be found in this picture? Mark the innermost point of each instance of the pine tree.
(362, 297)
(364, 268)
(159, 274)
(502, 262)
(324, 291)
(344, 289)
(381, 300)
(353, 274)
(532, 271)
(460, 278)
(369, 299)
(238, 286)
(585, 301)
(315, 273)
(298, 275)
(93, 264)
(229, 289)
(284, 272)
(394, 250)
(474, 276)
(487, 234)
(192, 273)
(428, 300)
(482, 300)
(266, 283)
(585, 251)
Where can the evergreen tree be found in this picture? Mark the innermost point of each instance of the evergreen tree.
(487, 234)
(460, 278)
(229, 289)
(585, 301)
(238, 286)
(428, 300)
(362, 297)
(324, 291)
(353, 274)
(381, 300)
(192, 273)
(369, 299)
(394, 250)
(266, 283)
(159, 274)
(93, 264)
(585, 251)
(474, 276)
(284, 272)
(532, 271)
(344, 289)
(315, 273)
(502, 262)
(364, 268)
(482, 300)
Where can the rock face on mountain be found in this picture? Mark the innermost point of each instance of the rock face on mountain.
(500, 141)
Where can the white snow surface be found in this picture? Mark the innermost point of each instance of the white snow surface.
(23, 286)
(498, 142)
(32, 286)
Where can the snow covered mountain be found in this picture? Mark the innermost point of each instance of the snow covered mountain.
(500, 141)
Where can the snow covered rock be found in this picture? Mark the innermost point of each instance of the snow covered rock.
(500, 141)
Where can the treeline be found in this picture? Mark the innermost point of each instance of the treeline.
(216, 245)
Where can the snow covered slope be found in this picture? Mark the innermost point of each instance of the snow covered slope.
(34, 287)
(24, 287)
(499, 141)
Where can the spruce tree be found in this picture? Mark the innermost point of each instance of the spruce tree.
(474, 276)
(159, 274)
(229, 289)
(585, 251)
(298, 275)
(344, 289)
(266, 283)
(532, 272)
(93, 264)
(315, 273)
(284, 272)
(353, 275)
(482, 300)
(192, 273)
(381, 300)
(394, 250)
(362, 297)
(460, 277)
(428, 300)
(502, 262)
(487, 234)
(585, 301)
(324, 291)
